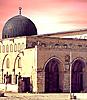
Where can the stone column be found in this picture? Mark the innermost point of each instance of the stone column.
(66, 84)
(41, 81)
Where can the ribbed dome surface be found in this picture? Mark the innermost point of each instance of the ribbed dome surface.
(19, 26)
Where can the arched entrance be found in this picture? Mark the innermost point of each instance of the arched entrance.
(77, 76)
(52, 76)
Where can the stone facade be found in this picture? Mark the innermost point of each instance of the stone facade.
(28, 57)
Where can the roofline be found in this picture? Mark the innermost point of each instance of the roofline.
(63, 32)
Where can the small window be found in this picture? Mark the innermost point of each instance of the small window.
(3, 49)
(7, 48)
(11, 48)
(19, 62)
(7, 63)
(6, 36)
(15, 47)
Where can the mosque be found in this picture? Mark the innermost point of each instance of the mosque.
(48, 63)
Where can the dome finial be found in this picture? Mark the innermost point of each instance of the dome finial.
(20, 8)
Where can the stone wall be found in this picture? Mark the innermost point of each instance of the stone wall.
(44, 54)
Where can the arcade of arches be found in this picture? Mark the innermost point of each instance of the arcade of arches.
(53, 76)
(45, 67)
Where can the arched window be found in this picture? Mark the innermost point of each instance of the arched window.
(15, 47)
(19, 62)
(11, 48)
(6, 36)
(7, 48)
(7, 63)
(3, 48)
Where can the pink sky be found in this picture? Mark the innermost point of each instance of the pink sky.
(48, 15)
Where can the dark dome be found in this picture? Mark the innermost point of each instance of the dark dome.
(19, 26)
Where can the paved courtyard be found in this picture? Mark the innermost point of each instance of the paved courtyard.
(28, 96)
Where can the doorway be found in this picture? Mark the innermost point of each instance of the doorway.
(77, 76)
(52, 76)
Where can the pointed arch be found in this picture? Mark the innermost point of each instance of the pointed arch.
(77, 75)
(3, 66)
(52, 76)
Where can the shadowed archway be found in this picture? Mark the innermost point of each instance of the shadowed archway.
(77, 76)
(52, 76)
